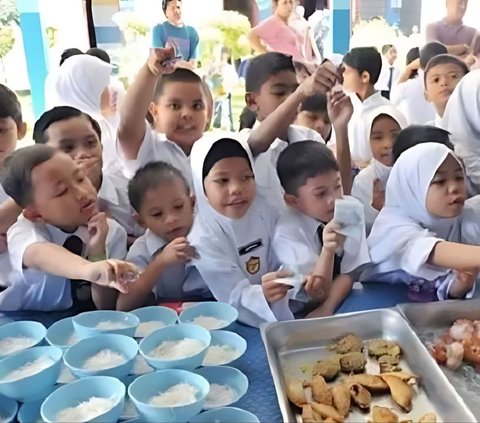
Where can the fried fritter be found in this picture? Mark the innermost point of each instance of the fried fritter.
(296, 393)
(360, 396)
(307, 414)
(321, 392)
(428, 418)
(389, 359)
(327, 411)
(349, 343)
(371, 382)
(329, 369)
(381, 347)
(353, 362)
(384, 415)
(341, 398)
(401, 392)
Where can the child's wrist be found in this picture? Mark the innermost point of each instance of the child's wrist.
(101, 256)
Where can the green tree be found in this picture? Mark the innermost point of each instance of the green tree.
(7, 41)
(8, 13)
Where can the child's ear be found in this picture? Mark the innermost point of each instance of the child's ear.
(290, 200)
(251, 102)
(31, 213)
(138, 219)
(21, 131)
(193, 199)
(365, 77)
(427, 98)
(153, 109)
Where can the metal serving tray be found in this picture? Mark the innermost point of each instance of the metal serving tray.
(432, 319)
(293, 347)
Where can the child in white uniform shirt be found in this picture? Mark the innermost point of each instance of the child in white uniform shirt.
(75, 133)
(179, 110)
(305, 235)
(59, 226)
(419, 236)
(383, 125)
(161, 196)
(234, 232)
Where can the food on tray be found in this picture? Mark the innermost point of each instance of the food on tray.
(353, 362)
(320, 391)
(371, 382)
(383, 415)
(460, 343)
(346, 344)
(307, 414)
(361, 397)
(341, 398)
(428, 418)
(327, 411)
(401, 391)
(329, 369)
(406, 377)
(382, 347)
(296, 393)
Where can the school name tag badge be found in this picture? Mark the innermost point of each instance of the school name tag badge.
(253, 265)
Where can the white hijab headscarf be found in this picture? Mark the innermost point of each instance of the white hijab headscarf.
(462, 120)
(404, 232)
(217, 240)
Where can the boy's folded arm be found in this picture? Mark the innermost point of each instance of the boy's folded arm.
(138, 97)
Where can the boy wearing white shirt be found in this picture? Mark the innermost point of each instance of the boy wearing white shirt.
(59, 226)
(161, 196)
(389, 73)
(179, 110)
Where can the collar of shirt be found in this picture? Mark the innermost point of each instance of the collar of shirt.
(153, 243)
(309, 223)
(373, 99)
(108, 192)
(59, 237)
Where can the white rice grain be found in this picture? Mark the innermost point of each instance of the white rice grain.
(146, 328)
(176, 396)
(220, 354)
(87, 410)
(175, 350)
(29, 369)
(209, 323)
(104, 359)
(220, 396)
(13, 344)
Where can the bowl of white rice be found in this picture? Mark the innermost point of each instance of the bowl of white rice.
(154, 318)
(210, 315)
(19, 336)
(8, 409)
(226, 415)
(180, 346)
(95, 398)
(102, 355)
(227, 386)
(28, 375)
(169, 395)
(29, 412)
(225, 348)
(62, 334)
(92, 323)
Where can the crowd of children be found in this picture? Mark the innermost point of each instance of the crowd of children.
(120, 213)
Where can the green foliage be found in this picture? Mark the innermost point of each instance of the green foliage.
(7, 40)
(131, 24)
(51, 36)
(375, 32)
(8, 13)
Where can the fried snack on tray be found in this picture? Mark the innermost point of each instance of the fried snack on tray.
(360, 396)
(401, 391)
(327, 411)
(406, 377)
(371, 382)
(381, 347)
(329, 368)
(353, 362)
(428, 418)
(320, 391)
(346, 344)
(341, 398)
(307, 414)
(296, 393)
(383, 415)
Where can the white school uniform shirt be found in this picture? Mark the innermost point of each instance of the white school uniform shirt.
(356, 127)
(4, 258)
(409, 98)
(30, 289)
(405, 233)
(265, 164)
(384, 77)
(156, 147)
(113, 198)
(177, 280)
(235, 254)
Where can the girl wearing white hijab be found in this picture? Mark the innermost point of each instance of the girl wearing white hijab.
(234, 231)
(462, 120)
(382, 127)
(82, 82)
(418, 236)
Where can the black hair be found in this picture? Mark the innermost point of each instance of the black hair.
(365, 59)
(180, 75)
(386, 48)
(301, 161)
(151, 176)
(419, 134)
(99, 53)
(263, 67)
(315, 103)
(57, 114)
(165, 4)
(444, 59)
(16, 175)
(412, 55)
(431, 50)
(247, 118)
(10, 106)
(69, 52)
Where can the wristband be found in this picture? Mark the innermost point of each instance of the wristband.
(99, 257)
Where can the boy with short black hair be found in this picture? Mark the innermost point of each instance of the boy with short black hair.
(313, 114)
(59, 226)
(442, 75)
(180, 111)
(306, 234)
(160, 195)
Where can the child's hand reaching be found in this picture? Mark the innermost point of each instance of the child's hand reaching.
(465, 281)
(378, 197)
(161, 61)
(274, 291)
(317, 288)
(322, 80)
(331, 239)
(340, 109)
(98, 230)
(115, 274)
(179, 250)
